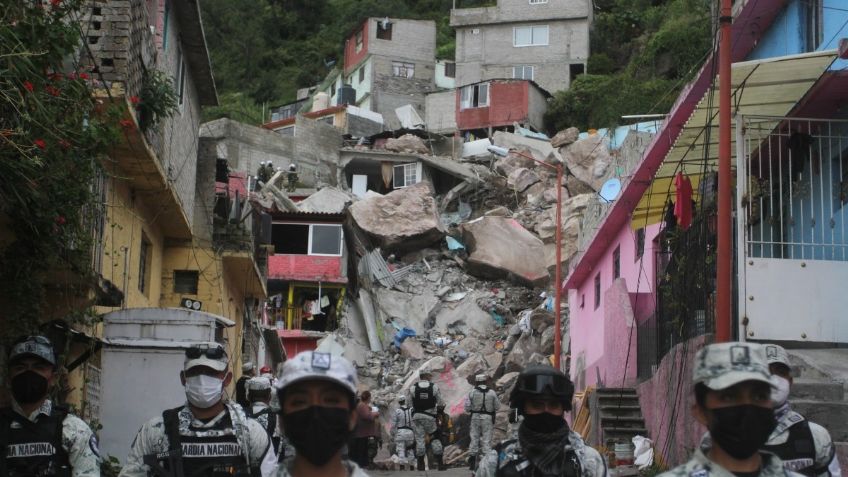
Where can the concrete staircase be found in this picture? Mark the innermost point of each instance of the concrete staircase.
(618, 415)
(819, 392)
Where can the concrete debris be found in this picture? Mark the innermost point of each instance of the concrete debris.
(409, 117)
(565, 137)
(328, 200)
(501, 247)
(507, 165)
(588, 160)
(411, 348)
(539, 149)
(476, 148)
(408, 143)
(522, 178)
(499, 212)
(405, 219)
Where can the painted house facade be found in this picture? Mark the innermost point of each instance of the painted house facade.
(654, 310)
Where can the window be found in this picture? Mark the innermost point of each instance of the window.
(179, 79)
(597, 290)
(185, 281)
(332, 90)
(165, 24)
(450, 70)
(575, 70)
(361, 74)
(474, 96)
(406, 175)
(143, 264)
(522, 72)
(307, 239)
(813, 28)
(359, 41)
(530, 36)
(538, 2)
(384, 30)
(403, 70)
(640, 243)
(616, 263)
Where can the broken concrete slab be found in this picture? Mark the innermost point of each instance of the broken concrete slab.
(408, 143)
(540, 149)
(463, 316)
(405, 219)
(589, 159)
(499, 212)
(500, 247)
(328, 200)
(406, 309)
(565, 137)
(522, 178)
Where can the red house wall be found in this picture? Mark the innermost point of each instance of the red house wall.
(351, 57)
(308, 268)
(508, 102)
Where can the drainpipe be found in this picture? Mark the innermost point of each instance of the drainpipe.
(725, 233)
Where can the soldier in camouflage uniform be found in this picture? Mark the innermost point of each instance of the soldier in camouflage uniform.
(805, 447)
(482, 403)
(208, 435)
(37, 437)
(425, 396)
(733, 400)
(545, 447)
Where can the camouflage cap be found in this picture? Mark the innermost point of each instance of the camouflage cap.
(776, 354)
(721, 365)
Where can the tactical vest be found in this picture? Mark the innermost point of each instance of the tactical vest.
(522, 467)
(33, 449)
(406, 423)
(211, 452)
(483, 410)
(798, 453)
(270, 423)
(424, 398)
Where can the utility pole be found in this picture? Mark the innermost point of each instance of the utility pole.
(725, 233)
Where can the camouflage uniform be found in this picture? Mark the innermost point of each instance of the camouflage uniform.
(78, 440)
(701, 466)
(424, 423)
(353, 470)
(591, 462)
(251, 436)
(482, 403)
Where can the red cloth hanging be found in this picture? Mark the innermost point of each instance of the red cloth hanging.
(683, 204)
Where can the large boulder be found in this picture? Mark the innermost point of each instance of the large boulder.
(500, 247)
(541, 150)
(462, 317)
(589, 159)
(408, 143)
(522, 178)
(403, 220)
(565, 137)
(507, 165)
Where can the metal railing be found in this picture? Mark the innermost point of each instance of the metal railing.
(793, 187)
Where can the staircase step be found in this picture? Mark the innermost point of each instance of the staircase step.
(616, 391)
(805, 389)
(614, 418)
(833, 416)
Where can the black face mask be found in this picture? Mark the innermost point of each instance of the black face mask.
(544, 423)
(29, 387)
(741, 430)
(317, 433)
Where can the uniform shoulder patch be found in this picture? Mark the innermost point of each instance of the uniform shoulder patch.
(796, 418)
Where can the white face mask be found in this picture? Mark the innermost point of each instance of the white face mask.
(779, 390)
(204, 391)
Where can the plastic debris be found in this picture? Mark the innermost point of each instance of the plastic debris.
(402, 335)
(454, 244)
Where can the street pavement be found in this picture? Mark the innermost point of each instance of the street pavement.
(451, 472)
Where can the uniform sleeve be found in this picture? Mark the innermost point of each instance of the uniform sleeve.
(81, 445)
(142, 445)
(268, 467)
(468, 402)
(260, 444)
(594, 465)
(438, 393)
(395, 419)
(488, 465)
(827, 464)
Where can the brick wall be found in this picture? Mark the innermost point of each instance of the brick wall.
(351, 56)
(508, 103)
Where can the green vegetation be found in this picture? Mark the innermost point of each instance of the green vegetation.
(264, 50)
(643, 52)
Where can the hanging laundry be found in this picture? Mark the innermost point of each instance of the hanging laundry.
(683, 204)
(325, 301)
(315, 308)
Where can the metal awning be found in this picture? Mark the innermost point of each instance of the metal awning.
(770, 87)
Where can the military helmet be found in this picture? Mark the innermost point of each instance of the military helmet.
(538, 380)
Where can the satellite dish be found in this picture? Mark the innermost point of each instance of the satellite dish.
(610, 190)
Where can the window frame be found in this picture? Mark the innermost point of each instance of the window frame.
(359, 40)
(403, 67)
(310, 232)
(640, 244)
(361, 74)
(196, 274)
(450, 66)
(179, 79)
(417, 170)
(532, 29)
(381, 30)
(523, 70)
(597, 286)
(538, 2)
(474, 100)
(616, 263)
(144, 263)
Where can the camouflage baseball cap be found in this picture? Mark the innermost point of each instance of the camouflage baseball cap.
(776, 354)
(721, 365)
